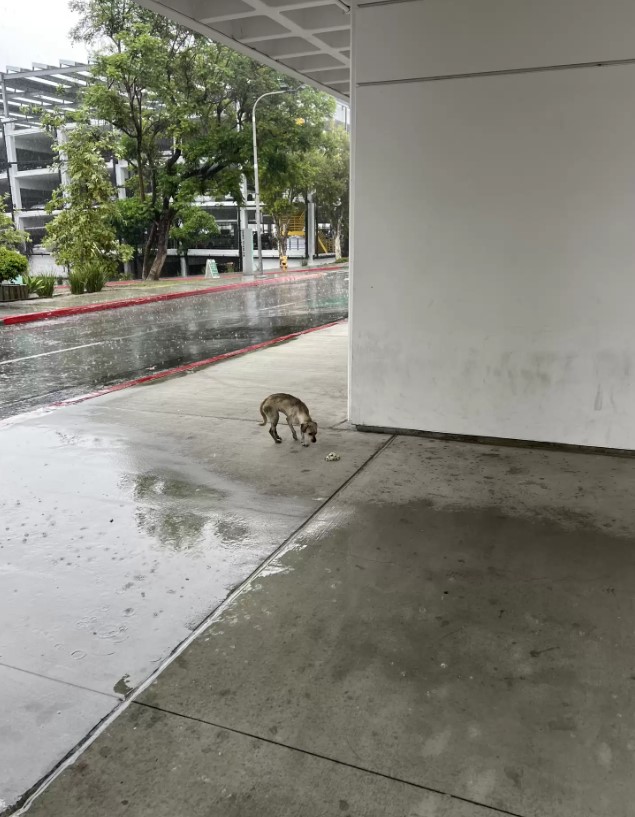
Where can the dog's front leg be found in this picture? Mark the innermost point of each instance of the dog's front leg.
(290, 424)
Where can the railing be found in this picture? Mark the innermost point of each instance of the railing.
(296, 225)
(325, 244)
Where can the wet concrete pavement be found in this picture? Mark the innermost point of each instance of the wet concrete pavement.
(124, 523)
(447, 630)
(450, 636)
(50, 361)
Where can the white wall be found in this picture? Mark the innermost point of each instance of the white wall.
(496, 295)
(44, 264)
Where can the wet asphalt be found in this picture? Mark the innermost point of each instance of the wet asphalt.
(46, 362)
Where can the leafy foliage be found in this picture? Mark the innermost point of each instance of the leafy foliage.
(193, 226)
(77, 282)
(287, 181)
(132, 220)
(82, 234)
(332, 183)
(10, 236)
(12, 264)
(180, 108)
(41, 285)
(94, 278)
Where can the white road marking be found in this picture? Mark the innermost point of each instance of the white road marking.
(277, 306)
(55, 352)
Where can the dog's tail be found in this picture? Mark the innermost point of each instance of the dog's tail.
(264, 416)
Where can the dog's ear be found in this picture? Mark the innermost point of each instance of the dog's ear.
(303, 427)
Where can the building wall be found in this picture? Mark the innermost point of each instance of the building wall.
(494, 295)
(44, 264)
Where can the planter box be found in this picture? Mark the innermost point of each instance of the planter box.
(14, 292)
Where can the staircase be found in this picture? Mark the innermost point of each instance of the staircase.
(325, 245)
(296, 224)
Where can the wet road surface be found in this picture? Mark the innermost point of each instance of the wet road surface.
(50, 361)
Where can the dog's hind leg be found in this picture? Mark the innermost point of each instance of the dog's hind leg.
(290, 424)
(274, 416)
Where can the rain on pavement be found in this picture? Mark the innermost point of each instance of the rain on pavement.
(46, 362)
(122, 525)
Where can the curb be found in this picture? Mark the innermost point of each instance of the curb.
(68, 311)
(197, 364)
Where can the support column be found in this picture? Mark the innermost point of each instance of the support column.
(12, 173)
(121, 175)
(310, 228)
(496, 299)
(62, 138)
(247, 240)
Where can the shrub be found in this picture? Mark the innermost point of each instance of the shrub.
(12, 264)
(94, 278)
(77, 282)
(41, 285)
(46, 286)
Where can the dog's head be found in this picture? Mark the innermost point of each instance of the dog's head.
(310, 429)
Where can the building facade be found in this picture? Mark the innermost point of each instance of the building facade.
(29, 174)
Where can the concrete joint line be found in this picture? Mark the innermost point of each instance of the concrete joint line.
(372, 3)
(26, 801)
(500, 73)
(334, 760)
(59, 681)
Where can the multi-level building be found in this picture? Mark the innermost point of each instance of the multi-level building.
(29, 174)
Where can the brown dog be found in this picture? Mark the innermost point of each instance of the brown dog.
(296, 413)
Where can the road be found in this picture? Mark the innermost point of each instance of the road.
(45, 362)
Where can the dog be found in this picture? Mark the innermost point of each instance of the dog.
(296, 413)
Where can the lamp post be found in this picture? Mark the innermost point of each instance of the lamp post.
(256, 177)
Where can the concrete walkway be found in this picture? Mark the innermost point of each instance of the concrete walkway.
(446, 631)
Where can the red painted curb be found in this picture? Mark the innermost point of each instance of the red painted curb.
(66, 312)
(188, 367)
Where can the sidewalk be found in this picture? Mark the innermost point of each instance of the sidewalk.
(422, 629)
(119, 294)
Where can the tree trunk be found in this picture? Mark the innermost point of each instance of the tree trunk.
(163, 229)
(147, 250)
(283, 240)
(337, 240)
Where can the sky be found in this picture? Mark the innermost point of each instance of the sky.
(36, 31)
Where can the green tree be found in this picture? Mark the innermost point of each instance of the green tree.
(180, 107)
(82, 235)
(133, 218)
(284, 195)
(292, 135)
(10, 236)
(332, 182)
(192, 226)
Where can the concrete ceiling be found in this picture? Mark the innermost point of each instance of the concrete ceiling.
(308, 40)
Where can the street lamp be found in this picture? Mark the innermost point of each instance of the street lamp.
(256, 177)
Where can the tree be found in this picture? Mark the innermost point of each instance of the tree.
(133, 218)
(285, 192)
(82, 235)
(192, 226)
(179, 106)
(289, 158)
(332, 183)
(10, 236)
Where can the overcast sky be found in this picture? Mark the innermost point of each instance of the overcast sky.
(36, 31)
